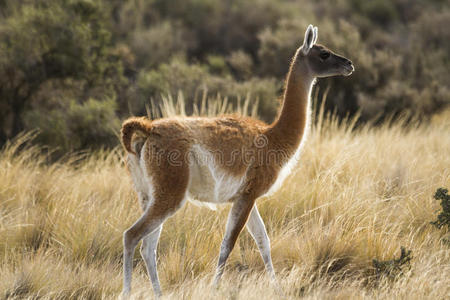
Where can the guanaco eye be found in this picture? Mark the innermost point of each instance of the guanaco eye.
(324, 55)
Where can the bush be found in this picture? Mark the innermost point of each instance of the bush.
(443, 219)
(241, 64)
(170, 78)
(194, 80)
(278, 47)
(159, 43)
(394, 267)
(63, 43)
(75, 126)
(217, 65)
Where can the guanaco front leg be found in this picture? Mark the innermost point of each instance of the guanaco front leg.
(236, 221)
(255, 226)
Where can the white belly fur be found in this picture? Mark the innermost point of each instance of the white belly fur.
(209, 185)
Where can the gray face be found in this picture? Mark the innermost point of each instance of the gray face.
(322, 62)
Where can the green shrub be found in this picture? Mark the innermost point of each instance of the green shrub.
(394, 267)
(193, 80)
(159, 43)
(170, 78)
(382, 12)
(61, 44)
(278, 46)
(217, 65)
(241, 64)
(443, 219)
(76, 126)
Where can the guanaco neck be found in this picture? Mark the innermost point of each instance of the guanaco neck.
(290, 125)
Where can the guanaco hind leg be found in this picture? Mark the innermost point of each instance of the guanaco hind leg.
(148, 223)
(168, 193)
(148, 253)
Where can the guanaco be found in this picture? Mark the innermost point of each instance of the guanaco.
(218, 160)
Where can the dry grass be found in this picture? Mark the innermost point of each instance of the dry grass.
(356, 195)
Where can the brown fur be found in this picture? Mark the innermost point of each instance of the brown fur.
(164, 144)
(130, 126)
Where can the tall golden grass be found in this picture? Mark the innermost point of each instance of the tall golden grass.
(356, 195)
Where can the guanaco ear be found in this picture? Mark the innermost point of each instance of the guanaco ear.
(308, 42)
(316, 34)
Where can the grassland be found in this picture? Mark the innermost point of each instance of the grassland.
(356, 195)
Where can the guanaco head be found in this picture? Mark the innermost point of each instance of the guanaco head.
(321, 61)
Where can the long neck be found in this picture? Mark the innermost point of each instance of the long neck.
(291, 123)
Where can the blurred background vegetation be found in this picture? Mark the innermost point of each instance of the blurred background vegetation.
(73, 69)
